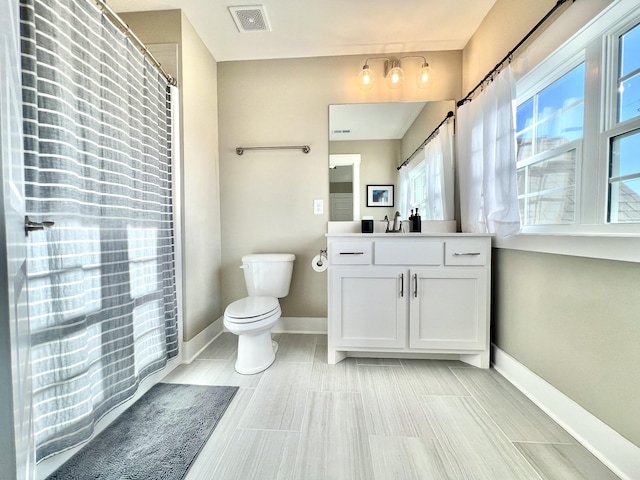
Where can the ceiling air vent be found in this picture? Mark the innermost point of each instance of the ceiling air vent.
(250, 18)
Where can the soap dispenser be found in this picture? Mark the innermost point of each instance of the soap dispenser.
(416, 223)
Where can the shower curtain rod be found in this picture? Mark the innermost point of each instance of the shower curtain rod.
(124, 28)
(508, 56)
(427, 140)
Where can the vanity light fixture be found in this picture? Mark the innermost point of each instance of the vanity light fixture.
(393, 72)
(366, 77)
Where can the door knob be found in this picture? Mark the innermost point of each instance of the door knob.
(30, 226)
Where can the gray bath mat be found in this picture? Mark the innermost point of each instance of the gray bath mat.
(158, 437)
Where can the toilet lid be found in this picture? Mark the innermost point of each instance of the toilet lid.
(247, 309)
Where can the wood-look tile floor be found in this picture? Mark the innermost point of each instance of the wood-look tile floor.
(402, 419)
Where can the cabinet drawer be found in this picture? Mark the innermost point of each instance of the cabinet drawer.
(424, 252)
(468, 251)
(350, 253)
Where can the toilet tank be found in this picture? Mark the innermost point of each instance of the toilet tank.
(268, 274)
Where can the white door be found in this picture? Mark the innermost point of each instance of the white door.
(16, 435)
(341, 207)
(351, 160)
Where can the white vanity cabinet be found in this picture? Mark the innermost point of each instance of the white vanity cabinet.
(448, 309)
(369, 307)
(409, 295)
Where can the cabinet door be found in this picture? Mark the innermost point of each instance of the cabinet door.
(448, 308)
(368, 307)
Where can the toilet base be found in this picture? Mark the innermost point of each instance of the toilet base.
(256, 353)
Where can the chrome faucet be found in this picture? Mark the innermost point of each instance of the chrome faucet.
(397, 224)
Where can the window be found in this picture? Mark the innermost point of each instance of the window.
(578, 131)
(624, 164)
(552, 117)
(549, 127)
(624, 178)
(418, 188)
(629, 75)
(547, 188)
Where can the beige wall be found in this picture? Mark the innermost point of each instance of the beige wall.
(574, 321)
(504, 26)
(432, 114)
(571, 320)
(197, 81)
(201, 195)
(267, 197)
(155, 27)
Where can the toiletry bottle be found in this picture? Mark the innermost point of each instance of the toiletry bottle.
(417, 222)
(411, 221)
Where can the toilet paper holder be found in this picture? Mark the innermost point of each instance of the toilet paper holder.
(323, 254)
(319, 263)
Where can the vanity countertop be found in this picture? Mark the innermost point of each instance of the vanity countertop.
(430, 228)
(407, 235)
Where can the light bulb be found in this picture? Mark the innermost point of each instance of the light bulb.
(365, 78)
(395, 77)
(423, 76)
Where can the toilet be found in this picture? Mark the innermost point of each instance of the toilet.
(267, 277)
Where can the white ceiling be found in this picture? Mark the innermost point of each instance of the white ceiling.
(316, 28)
(372, 121)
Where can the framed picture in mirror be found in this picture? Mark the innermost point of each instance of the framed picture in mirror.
(379, 195)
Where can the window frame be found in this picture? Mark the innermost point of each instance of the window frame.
(612, 128)
(590, 236)
(599, 51)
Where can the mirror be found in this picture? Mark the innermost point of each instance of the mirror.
(367, 142)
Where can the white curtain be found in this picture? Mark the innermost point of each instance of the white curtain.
(438, 154)
(404, 198)
(486, 149)
(436, 167)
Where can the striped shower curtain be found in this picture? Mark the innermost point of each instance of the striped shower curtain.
(102, 297)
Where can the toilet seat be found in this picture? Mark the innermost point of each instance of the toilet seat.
(252, 309)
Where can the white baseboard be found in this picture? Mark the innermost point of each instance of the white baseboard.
(611, 448)
(301, 325)
(192, 348)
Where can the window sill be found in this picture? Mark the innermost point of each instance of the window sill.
(618, 246)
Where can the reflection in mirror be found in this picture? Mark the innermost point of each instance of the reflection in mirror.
(383, 135)
(344, 180)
